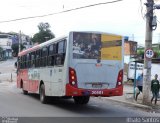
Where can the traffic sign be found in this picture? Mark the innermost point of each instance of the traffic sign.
(149, 53)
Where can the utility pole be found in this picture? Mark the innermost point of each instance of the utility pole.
(20, 41)
(147, 62)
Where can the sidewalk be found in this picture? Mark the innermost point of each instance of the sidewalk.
(8, 71)
(128, 98)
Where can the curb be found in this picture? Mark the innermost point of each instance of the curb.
(129, 103)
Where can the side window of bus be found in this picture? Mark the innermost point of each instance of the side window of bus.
(51, 56)
(28, 60)
(37, 62)
(61, 53)
(20, 62)
(33, 59)
(25, 61)
(44, 56)
(41, 58)
(19, 66)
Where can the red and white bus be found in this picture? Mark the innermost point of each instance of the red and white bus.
(79, 65)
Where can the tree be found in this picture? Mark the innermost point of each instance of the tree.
(140, 53)
(44, 33)
(15, 48)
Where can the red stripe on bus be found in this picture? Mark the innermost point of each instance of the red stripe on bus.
(22, 77)
(28, 50)
(33, 85)
(23, 80)
(72, 91)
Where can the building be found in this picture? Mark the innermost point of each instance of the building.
(25, 39)
(8, 39)
(5, 44)
(130, 51)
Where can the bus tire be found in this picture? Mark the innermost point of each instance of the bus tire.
(81, 99)
(25, 92)
(43, 97)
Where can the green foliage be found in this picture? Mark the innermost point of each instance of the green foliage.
(157, 54)
(44, 33)
(15, 48)
(140, 52)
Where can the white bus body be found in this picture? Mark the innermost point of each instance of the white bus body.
(85, 64)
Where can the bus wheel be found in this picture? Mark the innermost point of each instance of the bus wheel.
(43, 98)
(81, 99)
(25, 92)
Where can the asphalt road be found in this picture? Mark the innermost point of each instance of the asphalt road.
(16, 107)
(14, 104)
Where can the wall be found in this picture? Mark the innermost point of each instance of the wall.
(130, 48)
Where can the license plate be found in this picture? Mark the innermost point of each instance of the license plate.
(97, 92)
(97, 85)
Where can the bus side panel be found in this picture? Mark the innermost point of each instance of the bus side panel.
(60, 75)
(18, 80)
(33, 80)
(57, 81)
(34, 86)
(54, 79)
(22, 80)
(43, 76)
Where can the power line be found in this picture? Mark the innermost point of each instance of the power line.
(141, 9)
(40, 16)
(158, 21)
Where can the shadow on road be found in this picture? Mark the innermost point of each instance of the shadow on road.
(68, 104)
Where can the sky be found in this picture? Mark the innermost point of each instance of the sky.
(125, 17)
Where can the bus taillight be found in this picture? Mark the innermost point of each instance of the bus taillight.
(72, 77)
(120, 78)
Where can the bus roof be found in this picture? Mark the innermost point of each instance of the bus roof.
(40, 46)
(98, 32)
(56, 39)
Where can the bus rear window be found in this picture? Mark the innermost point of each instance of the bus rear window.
(86, 45)
(97, 46)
